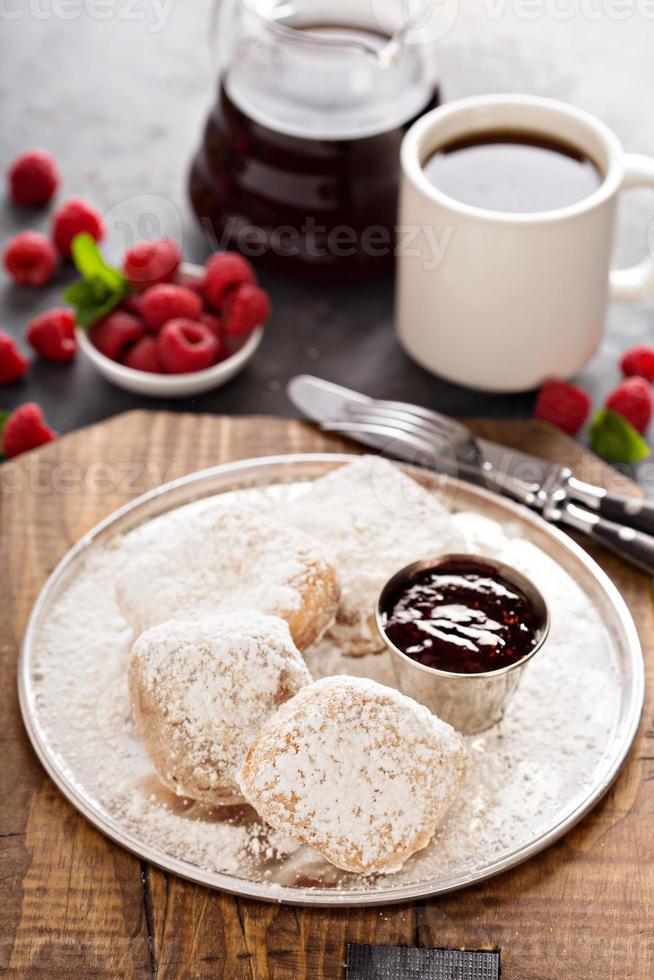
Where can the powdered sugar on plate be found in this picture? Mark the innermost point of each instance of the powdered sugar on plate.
(524, 776)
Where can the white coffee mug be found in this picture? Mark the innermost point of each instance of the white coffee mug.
(503, 301)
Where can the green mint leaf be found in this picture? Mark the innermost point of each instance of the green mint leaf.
(4, 415)
(92, 299)
(614, 439)
(91, 265)
(87, 292)
(87, 316)
(102, 287)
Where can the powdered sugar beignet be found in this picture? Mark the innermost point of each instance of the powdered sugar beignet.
(372, 520)
(218, 561)
(200, 692)
(355, 770)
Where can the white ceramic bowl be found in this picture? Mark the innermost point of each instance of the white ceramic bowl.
(170, 385)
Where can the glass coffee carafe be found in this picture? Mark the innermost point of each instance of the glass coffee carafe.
(299, 165)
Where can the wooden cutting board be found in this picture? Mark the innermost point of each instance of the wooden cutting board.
(72, 904)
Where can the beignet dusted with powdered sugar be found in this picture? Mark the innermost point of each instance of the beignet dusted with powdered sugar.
(201, 690)
(355, 770)
(372, 520)
(219, 561)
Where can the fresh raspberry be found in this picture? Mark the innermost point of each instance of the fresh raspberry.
(563, 405)
(30, 259)
(245, 308)
(52, 335)
(223, 272)
(169, 302)
(149, 263)
(640, 361)
(72, 218)
(115, 332)
(13, 364)
(132, 304)
(25, 429)
(144, 356)
(33, 178)
(212, 322)
(632, 399)
(195, 285)
(185, 346)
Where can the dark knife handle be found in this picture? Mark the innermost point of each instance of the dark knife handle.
(633, 511)
(634, 546)
(628, 510)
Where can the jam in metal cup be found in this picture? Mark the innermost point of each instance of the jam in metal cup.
(471, 703)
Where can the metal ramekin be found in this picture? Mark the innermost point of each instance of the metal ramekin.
(471, 703)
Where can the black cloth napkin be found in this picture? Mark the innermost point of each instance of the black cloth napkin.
(409, 963)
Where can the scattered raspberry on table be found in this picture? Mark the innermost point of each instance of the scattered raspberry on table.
(632, 399)
(30, 258)
(13, 364)
(72, 218)
(25, 429)
(564, 405)
(33, 178)
(638, 361)
(52, 335)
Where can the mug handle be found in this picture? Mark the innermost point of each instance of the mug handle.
(637, 281)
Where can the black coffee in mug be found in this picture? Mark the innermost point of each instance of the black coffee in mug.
(512, 171)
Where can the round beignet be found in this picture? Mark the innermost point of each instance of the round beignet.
(221, 561)
(355, 770)
(200, 691)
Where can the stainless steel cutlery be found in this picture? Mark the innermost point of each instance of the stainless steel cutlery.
(434, 441)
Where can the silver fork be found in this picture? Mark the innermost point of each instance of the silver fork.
(450, 446)
(455, 437)
(435, 435)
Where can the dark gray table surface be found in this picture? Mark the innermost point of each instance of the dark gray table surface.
(121, 100)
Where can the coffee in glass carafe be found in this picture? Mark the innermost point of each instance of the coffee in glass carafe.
(299, 165)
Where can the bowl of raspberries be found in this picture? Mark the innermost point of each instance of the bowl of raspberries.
(183, 329)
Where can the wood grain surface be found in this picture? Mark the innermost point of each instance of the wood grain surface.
(72, 904)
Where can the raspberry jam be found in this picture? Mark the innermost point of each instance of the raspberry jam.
(462, 616)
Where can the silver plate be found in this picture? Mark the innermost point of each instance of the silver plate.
(606, 599)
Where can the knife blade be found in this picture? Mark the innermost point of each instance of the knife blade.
(325, 403)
